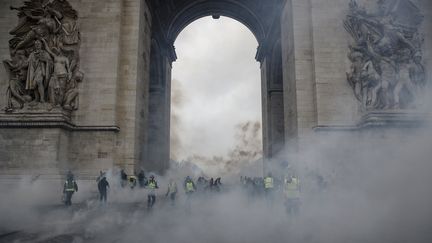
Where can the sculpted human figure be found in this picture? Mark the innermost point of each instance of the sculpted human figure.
(16, 69)
(370, 81)
(71, 96)
(354, 77)
(69, 41)
(386, 68)
(45, 26)
(417, 71)
(61, 75)
(403, 81)
(417, 74)
(38, 74)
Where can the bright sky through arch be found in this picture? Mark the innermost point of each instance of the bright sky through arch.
(216, 85)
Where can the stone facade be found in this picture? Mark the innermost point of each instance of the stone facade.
(126, 53)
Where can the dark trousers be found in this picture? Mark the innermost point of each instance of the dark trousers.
(292, 206)
(269, 196)
(173, 197)
(68, 199)
(151, 199)
(103, 196)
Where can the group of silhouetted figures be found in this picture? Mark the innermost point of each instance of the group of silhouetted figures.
(268, 187)
(140, 181)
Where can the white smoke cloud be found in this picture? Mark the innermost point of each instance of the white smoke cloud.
(376, 188)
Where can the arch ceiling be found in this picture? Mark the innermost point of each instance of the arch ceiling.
(170, 17)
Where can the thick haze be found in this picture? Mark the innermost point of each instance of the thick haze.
(216, 86)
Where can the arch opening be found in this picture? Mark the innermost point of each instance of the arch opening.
(220, 79)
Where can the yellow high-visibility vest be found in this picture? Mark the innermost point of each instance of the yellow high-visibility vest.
(189, 187)
(292, 189)
(70, 187)
(268, 183)
(152, 185)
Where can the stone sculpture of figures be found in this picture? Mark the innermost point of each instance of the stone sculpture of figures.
(45, 26)
(44, 50)
(39, 72)
(386, 70)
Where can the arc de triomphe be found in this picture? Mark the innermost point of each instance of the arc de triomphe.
(87, 83)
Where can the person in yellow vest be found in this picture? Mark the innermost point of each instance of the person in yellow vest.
(69, 187)
(151, 186)
(269, 186)
(172, 191)
(189, 186)
(292, 194)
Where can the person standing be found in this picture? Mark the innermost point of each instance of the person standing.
(268, 187)
(151, 197)
(292, 195)
(103, 185)
(69, 187)
(172, 191)
(190, 188)
(142, 180)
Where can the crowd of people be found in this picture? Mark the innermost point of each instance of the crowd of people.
(267, 187)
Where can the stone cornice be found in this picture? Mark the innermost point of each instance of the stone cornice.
(383, 119)
(48, 120)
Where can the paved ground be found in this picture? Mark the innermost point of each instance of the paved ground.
(70, 224)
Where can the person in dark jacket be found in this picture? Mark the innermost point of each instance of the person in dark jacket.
(103, 185)
(142, 180)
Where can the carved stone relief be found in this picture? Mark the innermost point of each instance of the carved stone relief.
(386, 54)
(44, 69)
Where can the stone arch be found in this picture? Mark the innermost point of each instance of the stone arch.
(262, 18)
(231, 9)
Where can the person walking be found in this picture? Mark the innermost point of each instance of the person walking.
(103, 185)
(190, 188)
(292, 195)
(69, 187)
(142, 180)
(151, 197)
(268, 188)
(172, 191)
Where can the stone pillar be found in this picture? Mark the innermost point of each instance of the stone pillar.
(132, 83)
(158, 136)
(273, 106)
(298, 71)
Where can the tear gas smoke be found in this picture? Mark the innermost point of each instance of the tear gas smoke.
(245, 157)
(356, 187)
